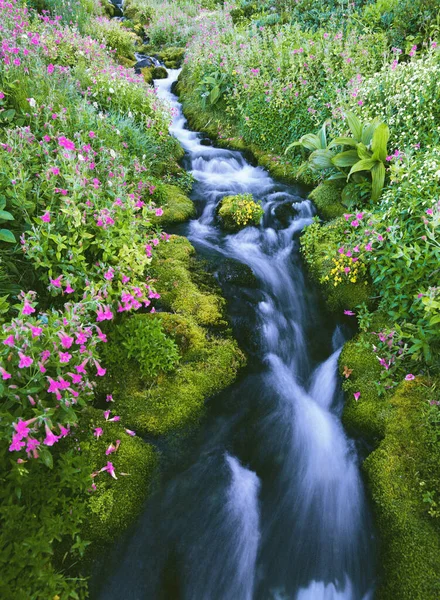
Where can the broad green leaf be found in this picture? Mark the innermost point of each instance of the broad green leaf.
(7, 236)
(214, 95)
(368, 131)
(337, 176)
(355, 126)
(311, 142)
(321, 159)
(2, 202)
(6, 216)
(380, 141)
(345, 159)
(342, 141)
(378, 179)
(292, 145)
(362, 165)
(323, 136)
(8, 114)
(362, 151)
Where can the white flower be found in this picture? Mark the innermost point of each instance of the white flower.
(81, 157)
(112, 153)
(111, 90)
(32, 102)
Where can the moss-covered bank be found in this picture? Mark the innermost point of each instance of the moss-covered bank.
(191, 356)
(402, 472)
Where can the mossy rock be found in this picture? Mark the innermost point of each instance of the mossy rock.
(237, 212)
(126, 62)
(159, 73)
(109, 9)
(172, 57)
(396, 472)
(319, 246)
(327, 199)
(172, 265)
(176, 400)
(115, 503)
(365, 417)
(147, 74)
(177, 208)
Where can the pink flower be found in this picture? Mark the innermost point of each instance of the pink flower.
(66, 340)
(355, 223)
(32, 446)
(341, 250)
(100, 372)
(50, 438)
(46, 217)
(22, 427)
(66, 143)
(64, 357)
(110, 469)
(81, 368)
(113, 448)
(98, 432)
(350, 313)
(25, 361)
(368, 247)
(125, 279)
(106, 414)
(28, 309)
(56, 282)
(429, 211)
(63, 430)
(46, 138)
(50, 68)
(91, 134)
(55, 170)
(410, 377)
(159, 212)
(68, 289)
(130, 432)
(9, 341)
(6, 375)
(109, 398)
(357, 395)
(36, 331)
(17, 444)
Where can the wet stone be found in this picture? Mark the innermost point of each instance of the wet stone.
(233, 272)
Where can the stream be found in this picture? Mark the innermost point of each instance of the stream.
(271, 505)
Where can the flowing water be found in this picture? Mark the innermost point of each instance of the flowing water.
(272, 505)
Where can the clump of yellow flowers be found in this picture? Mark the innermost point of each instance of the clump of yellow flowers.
(240, 211)
(347, 268)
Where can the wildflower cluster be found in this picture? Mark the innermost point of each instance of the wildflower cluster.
(240, 211)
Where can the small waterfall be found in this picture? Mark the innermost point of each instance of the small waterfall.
(294, 525)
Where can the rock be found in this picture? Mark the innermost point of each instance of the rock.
(284, 212)
(144, 63)
(205, 142)
(233, 272)
(159, 73)
(117, 9)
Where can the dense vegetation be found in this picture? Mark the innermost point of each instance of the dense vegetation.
(343, 96)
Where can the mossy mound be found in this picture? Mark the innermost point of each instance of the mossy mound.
(177, 208)
(147, 74)
(159, 73)
(126, 62)
(327, 199)
(171, 57)
(366, 416)
(115, 503)
(404, 465)
(319, 244)
(237, 212)
(173, 265)
(176, 400)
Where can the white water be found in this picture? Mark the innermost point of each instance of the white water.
(300, 529)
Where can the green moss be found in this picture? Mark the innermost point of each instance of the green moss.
(367, 416)
(237, 212)
(395, 471)
(126, 62)
(319, 247)
(159, 73)
(172, 266)
(172, 57)
(327, 199)
(115, 503)
(178, 208)
(147, 74)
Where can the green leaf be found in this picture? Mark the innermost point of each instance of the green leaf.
(322, 135)
(342, 141)
(7, 236)
(6, 216)
(321, 159)
(355, 126)
(378, 180)
(8, 114)
(368, 131)
(380, 141)
(345, 159)
(362, 151)
(310, 141)
(2, 202)
(214, 95)
(362, 165)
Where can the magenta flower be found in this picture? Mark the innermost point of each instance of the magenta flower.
(5, 374)
(130, 432)
(98, 432)
(64, 357)
(63, 430)
(66, 143)
(50, 438)
(357, 395)
(68, 289)
(28, 309)
(17, 444)
(368, 247)
(56, 282)
(36, 331)
(25, 361)
(50, 68)
(159, 212)
(22, 427)
(110, 469)
(350, 313)
(55, 170)
(66, 340)
(46, 217)
(109, 398)
(106, 414)
(429, 211)
(410, 377)
(91, 134)
(32, 446)
(46, 138)
(355, 223)
(9, 341)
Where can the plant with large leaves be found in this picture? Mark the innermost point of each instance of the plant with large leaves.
(367, 154)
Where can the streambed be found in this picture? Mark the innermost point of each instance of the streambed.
(272, 505)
